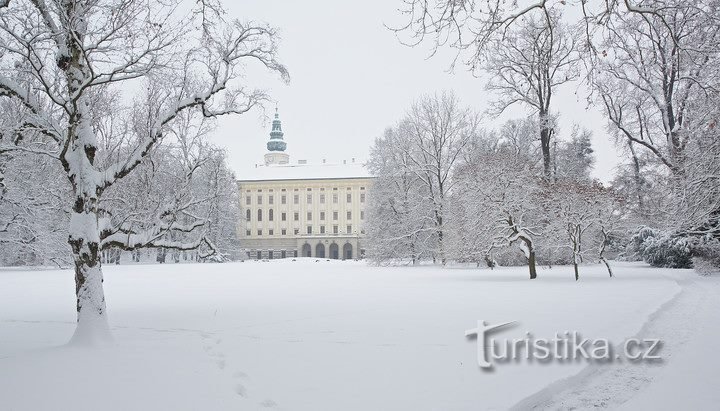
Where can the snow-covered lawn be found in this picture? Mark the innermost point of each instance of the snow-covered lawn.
(306, 335)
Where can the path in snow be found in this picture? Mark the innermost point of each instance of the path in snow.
(680, 323)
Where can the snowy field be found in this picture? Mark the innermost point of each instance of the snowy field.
(306, 335)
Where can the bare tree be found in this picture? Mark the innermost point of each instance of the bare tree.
(527, 65)
(56, 55)
(658, 77)
(500, 191)
(425, 147)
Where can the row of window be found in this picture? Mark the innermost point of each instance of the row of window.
(296, 198)
(336, 230)
(296, 215)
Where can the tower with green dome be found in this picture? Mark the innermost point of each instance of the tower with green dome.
(276, 146)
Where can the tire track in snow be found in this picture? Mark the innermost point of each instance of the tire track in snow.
(612, 384)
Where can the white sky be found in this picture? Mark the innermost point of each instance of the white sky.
(351, 78)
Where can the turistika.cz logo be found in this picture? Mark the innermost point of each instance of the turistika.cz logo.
(563, 347)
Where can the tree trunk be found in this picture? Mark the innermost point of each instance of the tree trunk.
(92, 327)
(575, 267)
(607, 265)
(545, 134)
(531, 265)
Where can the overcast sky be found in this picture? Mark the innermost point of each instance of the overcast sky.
(351, 78)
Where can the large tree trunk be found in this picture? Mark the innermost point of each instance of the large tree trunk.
(92, 326)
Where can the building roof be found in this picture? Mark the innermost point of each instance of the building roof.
(306, 172)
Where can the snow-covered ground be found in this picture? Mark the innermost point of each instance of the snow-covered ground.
(333, 335)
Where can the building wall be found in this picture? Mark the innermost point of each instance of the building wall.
(326, 208)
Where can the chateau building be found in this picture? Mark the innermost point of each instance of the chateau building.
(300, 209)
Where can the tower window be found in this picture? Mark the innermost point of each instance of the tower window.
(259, 214)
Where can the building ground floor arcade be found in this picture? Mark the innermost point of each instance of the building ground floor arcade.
(332, 247)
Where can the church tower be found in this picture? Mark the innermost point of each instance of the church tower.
(276, 146)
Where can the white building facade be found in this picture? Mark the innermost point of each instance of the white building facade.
(302, 210)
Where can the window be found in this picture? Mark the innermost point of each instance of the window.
(349, 197)
(259, 215)
(270, 232)
(335, 229)
(335, 198)
(322, 229)
(283, 216)
(283, 199)
(322, 198)
(349, 215)
(271, 199)
(296, 231)
(309, 198)
(309, 229)
(309, 216)
(259, 198)
(362, 197)
(259, 232)
(296, 199)
(362, 215)
(335, 215)
(322, 216)
(247, 200)
(296, 217)
(271, 214)
(348, 229)
(247, 233)
(247, 214)
(283, 231)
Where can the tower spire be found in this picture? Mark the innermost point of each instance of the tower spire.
(276, 145)
(276, 142)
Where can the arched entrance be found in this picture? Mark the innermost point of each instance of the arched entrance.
(320, 250)
(347, 251)
(334, 251)
(306, 250)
